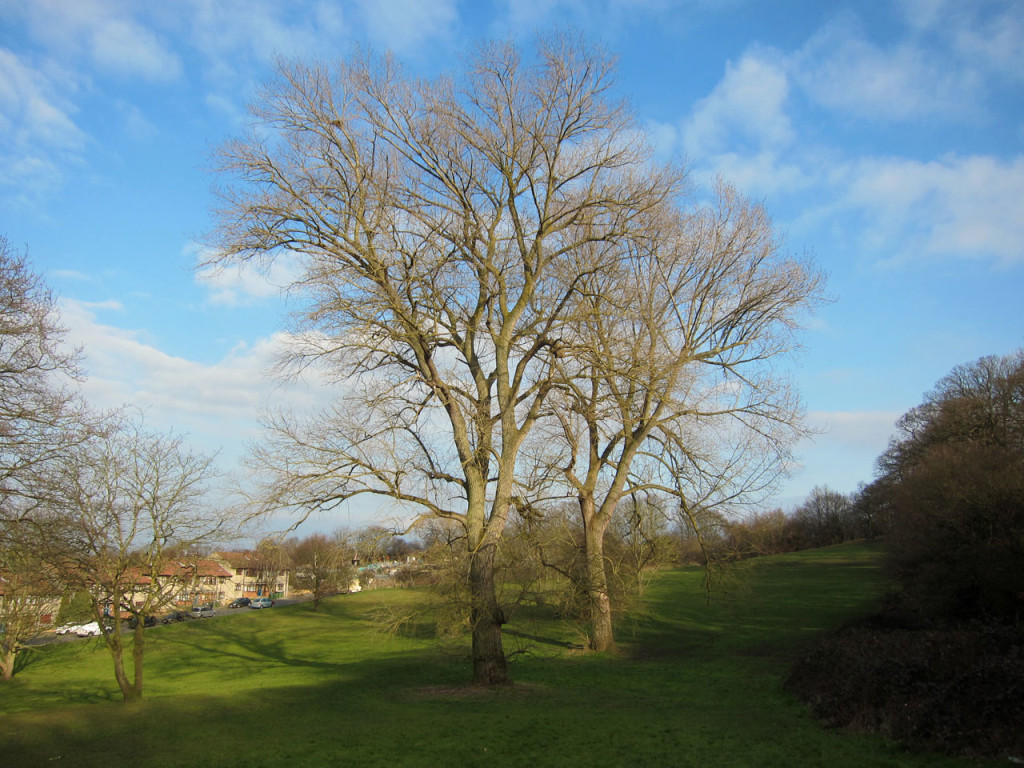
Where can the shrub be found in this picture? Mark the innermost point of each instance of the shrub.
(954, 690)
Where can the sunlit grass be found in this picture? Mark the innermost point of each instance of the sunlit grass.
(694, 684)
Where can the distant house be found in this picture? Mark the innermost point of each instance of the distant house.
(210, 583)
(186, 583)
(252, 576)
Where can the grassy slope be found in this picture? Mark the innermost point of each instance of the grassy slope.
(695, 685)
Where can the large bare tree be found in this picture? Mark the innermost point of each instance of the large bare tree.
(440, 231)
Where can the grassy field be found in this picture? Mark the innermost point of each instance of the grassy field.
(694, 685)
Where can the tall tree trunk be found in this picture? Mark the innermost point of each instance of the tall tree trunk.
(490, 667)
(602, 637)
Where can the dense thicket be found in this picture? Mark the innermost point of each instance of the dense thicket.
(952, 483)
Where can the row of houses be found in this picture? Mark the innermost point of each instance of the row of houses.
(215, 580)
(224, 576)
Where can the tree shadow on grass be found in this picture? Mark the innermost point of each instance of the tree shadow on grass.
(277, 725)
(551, 641)
(252, 648)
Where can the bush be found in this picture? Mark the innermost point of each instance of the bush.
(953, 690)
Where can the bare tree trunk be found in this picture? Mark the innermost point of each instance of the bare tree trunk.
(128, 692)
(490, 667)
(138, 650)
(7, 659)
(602, 637)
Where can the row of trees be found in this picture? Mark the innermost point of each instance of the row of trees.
(824, 518)
(520, 306)
(90, 503)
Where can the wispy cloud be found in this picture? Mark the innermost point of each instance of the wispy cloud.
(37, 128)
(950, 207)
(898, 208)
(105, 33)
(842, 70)
(243, 285)
(405, 26)
(983, 35)
(218, 404)
(747, 109)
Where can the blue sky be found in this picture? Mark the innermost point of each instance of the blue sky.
(885, 138)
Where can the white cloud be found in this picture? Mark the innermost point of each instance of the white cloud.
(405, 26)
(243, 285)
(745, 110)
(37, 130)
(238, 36)
(985, 35)
(842, 70)
(857, 430)
(102, 31)
(217, 404)
(953, 206)
(130, 50)
(842, 456)
(32, 109)
(763, 173)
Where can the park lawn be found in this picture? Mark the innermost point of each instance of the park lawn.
(693, 685)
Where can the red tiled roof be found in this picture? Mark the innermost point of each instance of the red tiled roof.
(179, 570)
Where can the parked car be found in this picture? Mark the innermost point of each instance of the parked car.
(261, 602)
(148, 621)
(202, 612)
(239, 602)
(92, 629)
(66, 629)
(177, 616)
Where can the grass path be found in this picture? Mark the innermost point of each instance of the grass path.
(694, 685)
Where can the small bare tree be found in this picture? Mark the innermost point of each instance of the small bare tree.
(28, 594)
(41, 417)
(123, 505)
(321, 567)
(441, 231)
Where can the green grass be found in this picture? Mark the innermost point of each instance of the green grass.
(694, 685)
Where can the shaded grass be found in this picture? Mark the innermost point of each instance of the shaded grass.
(695, 685)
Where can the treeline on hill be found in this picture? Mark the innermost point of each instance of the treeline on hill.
(941, 665)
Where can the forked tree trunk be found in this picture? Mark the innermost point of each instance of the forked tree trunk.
(490, 667)
(602, 637)
(117, 652)
(131, 690)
